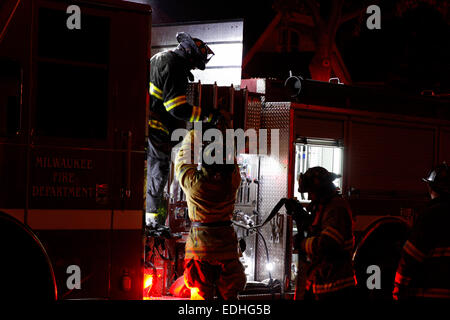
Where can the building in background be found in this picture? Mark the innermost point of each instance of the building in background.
(225, 38)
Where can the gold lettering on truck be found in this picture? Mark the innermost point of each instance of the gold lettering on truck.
(64, 180)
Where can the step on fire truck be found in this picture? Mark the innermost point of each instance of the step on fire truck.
(73, 118)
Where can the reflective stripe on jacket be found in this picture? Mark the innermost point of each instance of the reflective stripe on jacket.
(423, 269)
(167, 89)
(330, 248)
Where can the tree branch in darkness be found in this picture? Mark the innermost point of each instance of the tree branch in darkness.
(314, 7)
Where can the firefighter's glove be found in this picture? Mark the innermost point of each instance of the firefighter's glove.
(291, 206)
(295, 209)
(213, 117)
(220, 119)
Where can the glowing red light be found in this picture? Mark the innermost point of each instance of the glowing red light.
(148, 284)
(195, 294)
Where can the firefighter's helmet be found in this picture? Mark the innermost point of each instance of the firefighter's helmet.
(318, 180)
(439, 178)
(196, 49)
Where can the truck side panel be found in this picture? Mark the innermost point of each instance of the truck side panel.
(74, 168)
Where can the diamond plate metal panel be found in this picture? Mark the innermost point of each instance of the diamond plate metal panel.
(239, 110)
(193, 97)
(225, 98)
(253, 114)
(273, 186)
(208, 96)
(193, 93)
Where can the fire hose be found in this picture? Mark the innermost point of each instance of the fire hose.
(293, 208)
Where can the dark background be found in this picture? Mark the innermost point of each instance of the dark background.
(410, 52)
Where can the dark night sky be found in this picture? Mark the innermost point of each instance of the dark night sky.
(409, 52)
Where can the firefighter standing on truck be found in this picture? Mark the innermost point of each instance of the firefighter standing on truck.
(169, 109)
(423, 270)
(211, 253)
(330, 240)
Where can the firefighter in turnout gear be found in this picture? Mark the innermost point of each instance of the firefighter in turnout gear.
(211, 255)
(423, 270)
(329, 242)
(169, 109)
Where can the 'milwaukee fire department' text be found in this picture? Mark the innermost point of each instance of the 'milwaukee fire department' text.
(64, 182)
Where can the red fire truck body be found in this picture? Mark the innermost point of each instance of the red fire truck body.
(381, 141)
(72, 137)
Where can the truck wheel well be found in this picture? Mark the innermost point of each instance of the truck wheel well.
(26, 269)
(381, 245)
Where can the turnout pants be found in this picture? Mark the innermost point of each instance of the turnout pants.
(158, 165)
(205, 277)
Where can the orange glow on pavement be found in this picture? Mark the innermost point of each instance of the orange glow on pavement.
(195, 295)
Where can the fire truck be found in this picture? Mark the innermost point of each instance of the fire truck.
(380, 140)
(72, 137)
(73, 121)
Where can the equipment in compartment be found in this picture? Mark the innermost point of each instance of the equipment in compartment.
(236, 102)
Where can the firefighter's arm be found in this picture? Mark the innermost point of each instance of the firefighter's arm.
(175, 102)
(331, 238)
(185, 166)
(414, 252)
